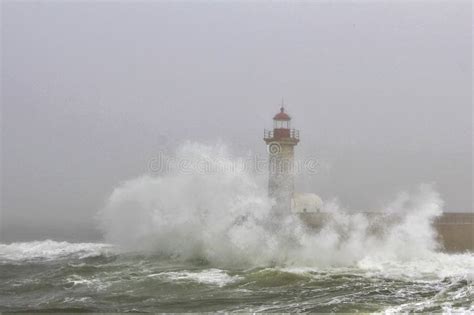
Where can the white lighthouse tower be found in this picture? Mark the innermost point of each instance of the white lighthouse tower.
(281, 142)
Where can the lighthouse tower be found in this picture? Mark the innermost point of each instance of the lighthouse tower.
(280, 143)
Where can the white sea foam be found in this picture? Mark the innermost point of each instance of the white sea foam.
(223, 217)
(447, 307)
(97, 284)
(49, 250)
(433, 266)
(210, 276)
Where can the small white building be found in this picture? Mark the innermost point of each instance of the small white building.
(306, 203)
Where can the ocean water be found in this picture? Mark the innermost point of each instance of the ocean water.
(58, 276)
(198, 241)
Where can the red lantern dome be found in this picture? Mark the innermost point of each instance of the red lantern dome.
(282, 115)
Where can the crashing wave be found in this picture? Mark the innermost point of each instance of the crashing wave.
(51, 250)
(225, 218)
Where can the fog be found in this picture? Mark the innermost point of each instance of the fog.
(91, 92)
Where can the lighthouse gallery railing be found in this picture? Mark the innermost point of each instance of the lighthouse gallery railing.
(269, 134)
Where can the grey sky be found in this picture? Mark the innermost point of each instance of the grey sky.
(381, 92)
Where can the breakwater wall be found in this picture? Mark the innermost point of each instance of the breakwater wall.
(455, 230)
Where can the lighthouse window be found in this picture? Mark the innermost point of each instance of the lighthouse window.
(281, 124)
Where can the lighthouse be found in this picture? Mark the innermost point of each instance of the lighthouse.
(281, 142)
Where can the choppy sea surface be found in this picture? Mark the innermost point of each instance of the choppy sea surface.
(52, 276)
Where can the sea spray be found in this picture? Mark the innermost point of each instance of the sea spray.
(190, 213)
(223, 218)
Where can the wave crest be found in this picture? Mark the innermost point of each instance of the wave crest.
(51, 250)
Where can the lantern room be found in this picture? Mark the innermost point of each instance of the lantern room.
(281, 120)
